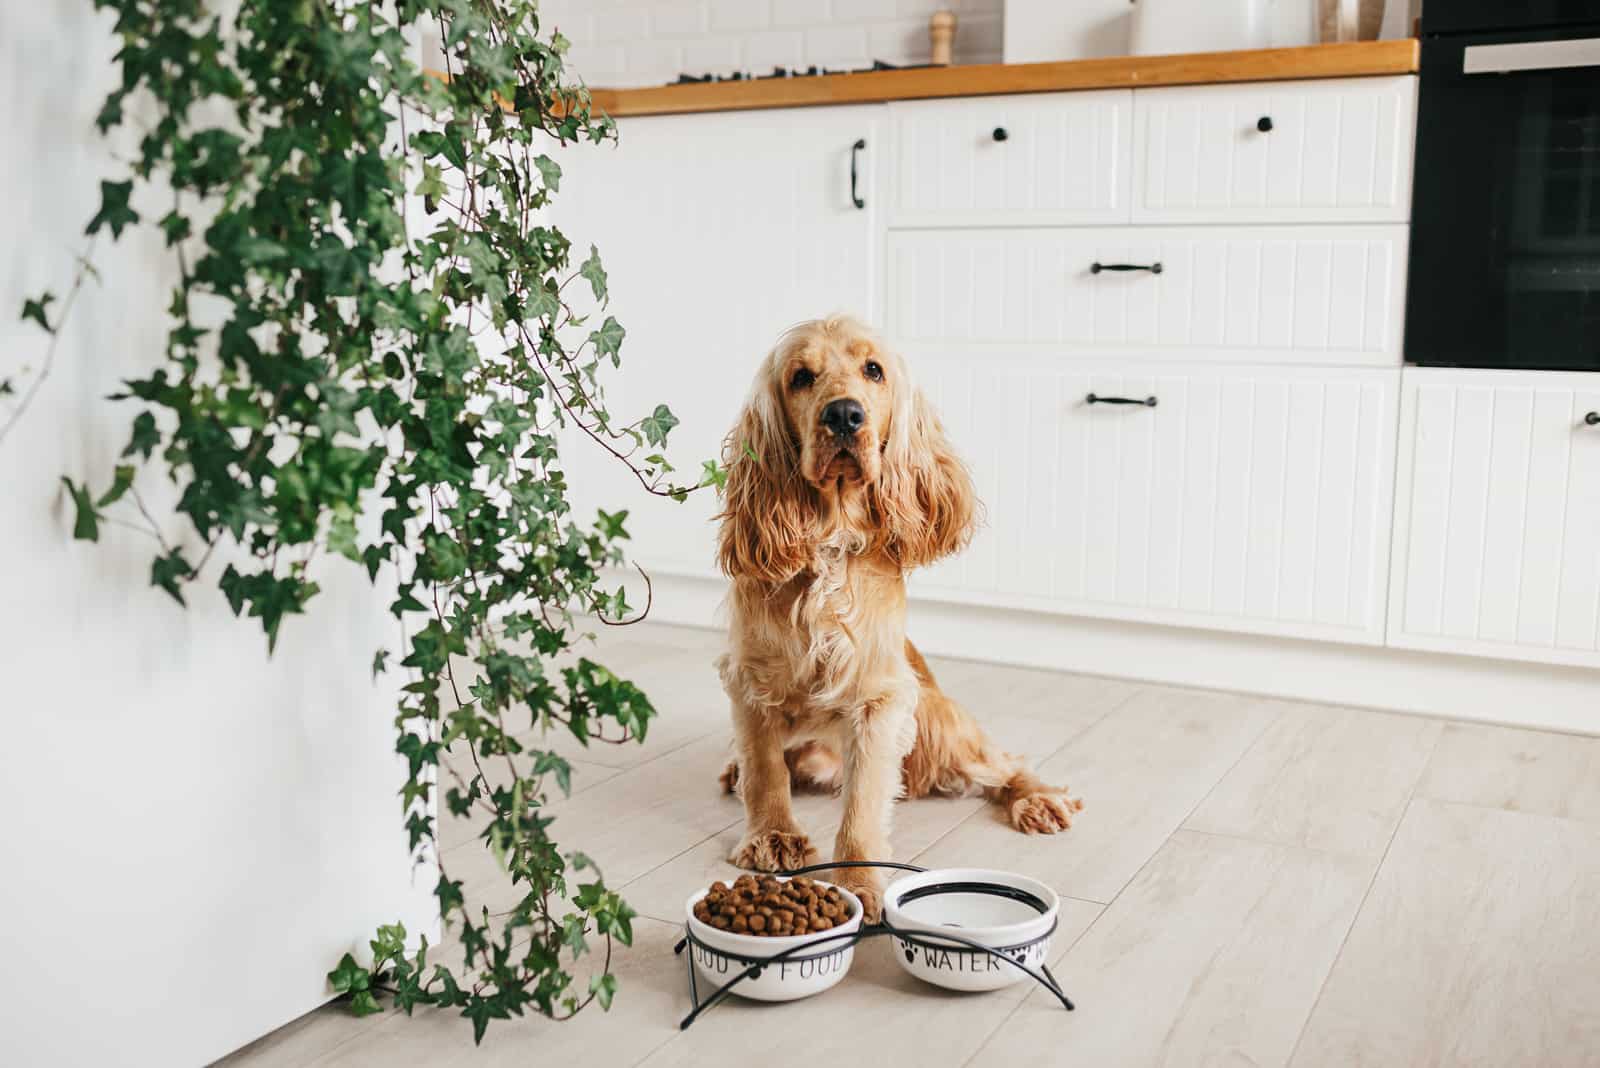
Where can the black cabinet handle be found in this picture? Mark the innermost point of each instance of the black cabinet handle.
(855, 150)
(1000, 133)
(1264, 124)
(1592, 419)
(1153, 268)
(1147, 402)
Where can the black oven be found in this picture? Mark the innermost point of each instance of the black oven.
(1505, 230)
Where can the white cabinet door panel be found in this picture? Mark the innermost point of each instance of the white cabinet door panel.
(1336, 151)
(718, 232)
(1497, 533)
(1065, 158)
(1307, 293)
(1248, 498)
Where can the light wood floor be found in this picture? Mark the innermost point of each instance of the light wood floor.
(1253, 881)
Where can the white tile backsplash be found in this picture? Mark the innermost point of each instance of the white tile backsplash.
(633, 42)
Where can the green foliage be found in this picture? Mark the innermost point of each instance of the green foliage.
(352, 375)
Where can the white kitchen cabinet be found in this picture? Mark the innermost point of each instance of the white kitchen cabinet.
(1497, 527)
(1301, 293)
(1248, 498)
(718, 232)
(1042, 159)
(1336, 150)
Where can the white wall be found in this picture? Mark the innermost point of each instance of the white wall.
(192, 833)
(635, 42)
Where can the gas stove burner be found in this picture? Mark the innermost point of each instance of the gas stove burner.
(812, 71)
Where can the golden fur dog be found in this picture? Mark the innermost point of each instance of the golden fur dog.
(840, 481)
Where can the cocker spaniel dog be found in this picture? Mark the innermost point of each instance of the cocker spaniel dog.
(840, 481)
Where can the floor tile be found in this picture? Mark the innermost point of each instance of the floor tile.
(1213, 954)
(316, 1034)
(1517, 770)
(1477, 945)
(1327, 778)
(1140, 770)
(876, 1015)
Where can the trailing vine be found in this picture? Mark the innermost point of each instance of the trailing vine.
(376, 342)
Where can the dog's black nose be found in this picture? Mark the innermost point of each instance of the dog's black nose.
(844, 416)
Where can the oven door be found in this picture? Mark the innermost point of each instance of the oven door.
(1505, 239)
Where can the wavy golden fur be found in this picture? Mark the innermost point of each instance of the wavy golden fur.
(841, 480)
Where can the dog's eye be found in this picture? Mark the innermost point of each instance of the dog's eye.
(873, 370)
(801, 379)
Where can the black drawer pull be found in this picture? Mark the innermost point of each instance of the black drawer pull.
(1592, 419)
(1147, 402)
(1153, 268)
(1001, 133)
(1264, 124)
(855, 150)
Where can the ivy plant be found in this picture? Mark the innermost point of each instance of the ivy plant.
(376, 346)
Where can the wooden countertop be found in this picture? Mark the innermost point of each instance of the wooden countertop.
(1123, 72)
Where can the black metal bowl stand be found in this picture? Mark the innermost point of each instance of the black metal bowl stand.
(753, 966)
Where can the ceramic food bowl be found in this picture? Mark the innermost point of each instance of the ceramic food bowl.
(1007, 912)
(721, 955)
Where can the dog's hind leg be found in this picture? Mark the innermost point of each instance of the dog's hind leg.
(953, 756)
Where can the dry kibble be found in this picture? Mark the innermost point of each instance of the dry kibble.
(766, 906)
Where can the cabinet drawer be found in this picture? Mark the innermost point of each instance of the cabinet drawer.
(1283, 293)
(1336, 151)
(1064, 159)
(1247, 499)
(1497, 533)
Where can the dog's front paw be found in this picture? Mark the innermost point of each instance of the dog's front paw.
(1044, 813)
(730, 778)
(774, 851)
(868, 885)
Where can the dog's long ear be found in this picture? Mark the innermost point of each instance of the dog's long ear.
(766, 521)
(928, 501)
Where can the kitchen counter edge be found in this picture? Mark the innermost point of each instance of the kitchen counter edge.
(1350, 60)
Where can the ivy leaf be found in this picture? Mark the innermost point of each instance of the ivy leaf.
(449, 895)
(713, 474)
(549, 171)
(114, 211)
(145, 436)
(122, 479)
(480, 1010)
(595, 273)
(342, 536)
(604, 988)
(658, 424)
(610, 523)
(349, 976)
(362, 1003)
(175, 227)
(169, 572)
(35, 310)
(380, 662)
(608, 340)
(86, 524)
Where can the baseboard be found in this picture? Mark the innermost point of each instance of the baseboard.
(1456, 687)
